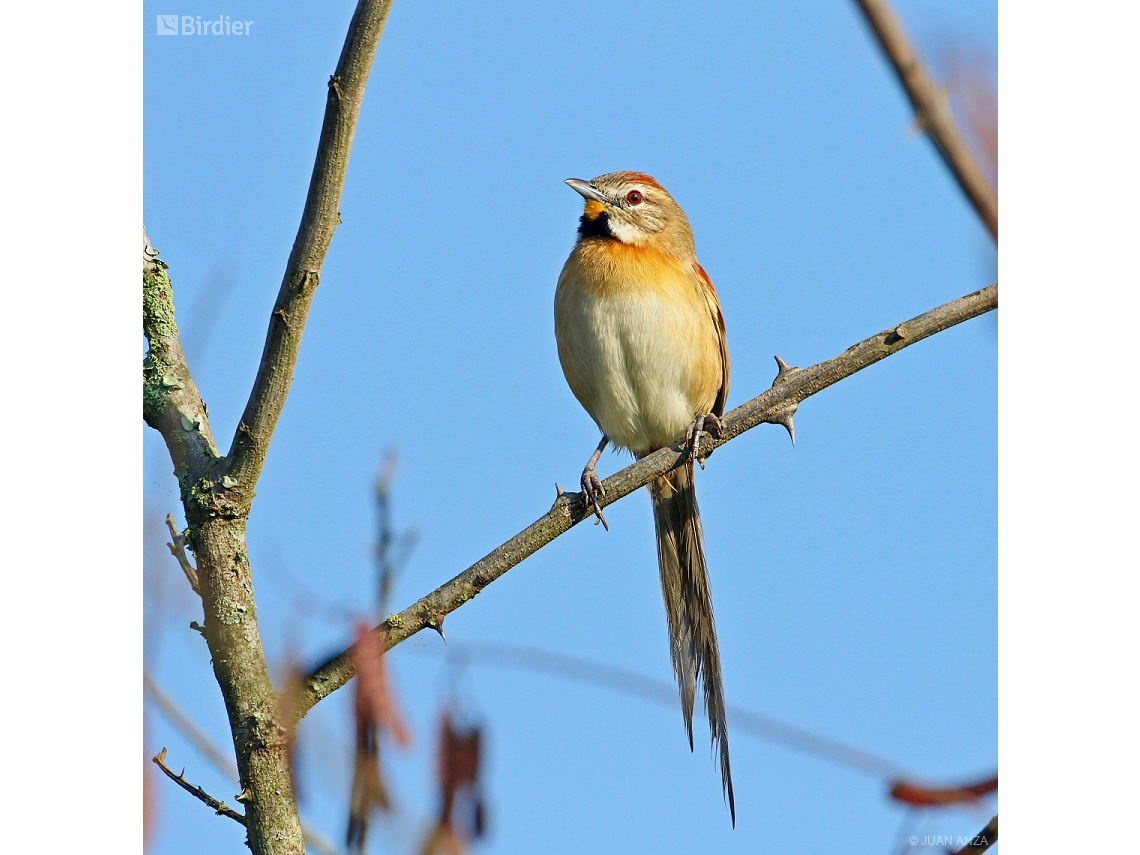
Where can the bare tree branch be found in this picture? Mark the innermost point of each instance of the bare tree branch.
(216, 515)
(775, 406)
(932, 110)
(184, 725)
(984, 839)
(171, 403)
(319, 221)
(216, 493)
(198, 793)
(177, 548)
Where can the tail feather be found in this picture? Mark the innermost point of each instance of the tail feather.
(688, 607)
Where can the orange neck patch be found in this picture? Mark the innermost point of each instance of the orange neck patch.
(594, 209)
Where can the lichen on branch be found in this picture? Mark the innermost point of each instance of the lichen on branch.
(171, 403)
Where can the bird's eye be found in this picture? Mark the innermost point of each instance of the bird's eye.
(633, 197)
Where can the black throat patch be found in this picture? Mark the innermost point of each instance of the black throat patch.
(599, 226)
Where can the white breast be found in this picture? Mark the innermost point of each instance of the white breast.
(638, 358)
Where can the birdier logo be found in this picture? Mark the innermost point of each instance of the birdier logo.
(193, 25)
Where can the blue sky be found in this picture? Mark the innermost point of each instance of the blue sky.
(854, 576)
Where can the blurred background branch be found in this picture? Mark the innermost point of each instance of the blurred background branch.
(932, 110)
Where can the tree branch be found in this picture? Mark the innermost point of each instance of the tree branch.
(211, 752)
(984, 839)
(775, 406)
(177, 548)
(318, 222)
(932, 110)
(171, 403)
(198, 793)
(216, 493)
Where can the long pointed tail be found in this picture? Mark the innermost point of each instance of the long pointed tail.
(688, 605)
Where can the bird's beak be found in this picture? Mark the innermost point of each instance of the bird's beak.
(587, 190)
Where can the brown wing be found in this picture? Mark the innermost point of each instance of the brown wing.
(718, 323)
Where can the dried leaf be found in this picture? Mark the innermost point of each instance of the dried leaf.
(375, 700)
(376, 713)
(918, 796)
(461, 802)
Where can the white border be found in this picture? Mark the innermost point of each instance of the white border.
(1070, 185)
(69, 352)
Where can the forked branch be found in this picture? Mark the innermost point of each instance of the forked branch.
(774, 406)
(932, 110)
(217, 491)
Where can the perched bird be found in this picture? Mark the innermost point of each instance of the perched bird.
(641, 341)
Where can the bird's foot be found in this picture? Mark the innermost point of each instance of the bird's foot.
(592, 491)
(693, 435)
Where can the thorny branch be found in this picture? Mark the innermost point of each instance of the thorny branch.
(932, 110)
(982, 841)
(775, 406)
(220, 807)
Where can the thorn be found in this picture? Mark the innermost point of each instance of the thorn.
(438, 627)
(785, 418)
(784, 370)
(560, 493)
(244, 796)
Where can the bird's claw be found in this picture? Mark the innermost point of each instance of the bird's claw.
(693, 435)
(592, 490)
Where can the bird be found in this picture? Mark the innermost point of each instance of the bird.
(641, 341)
